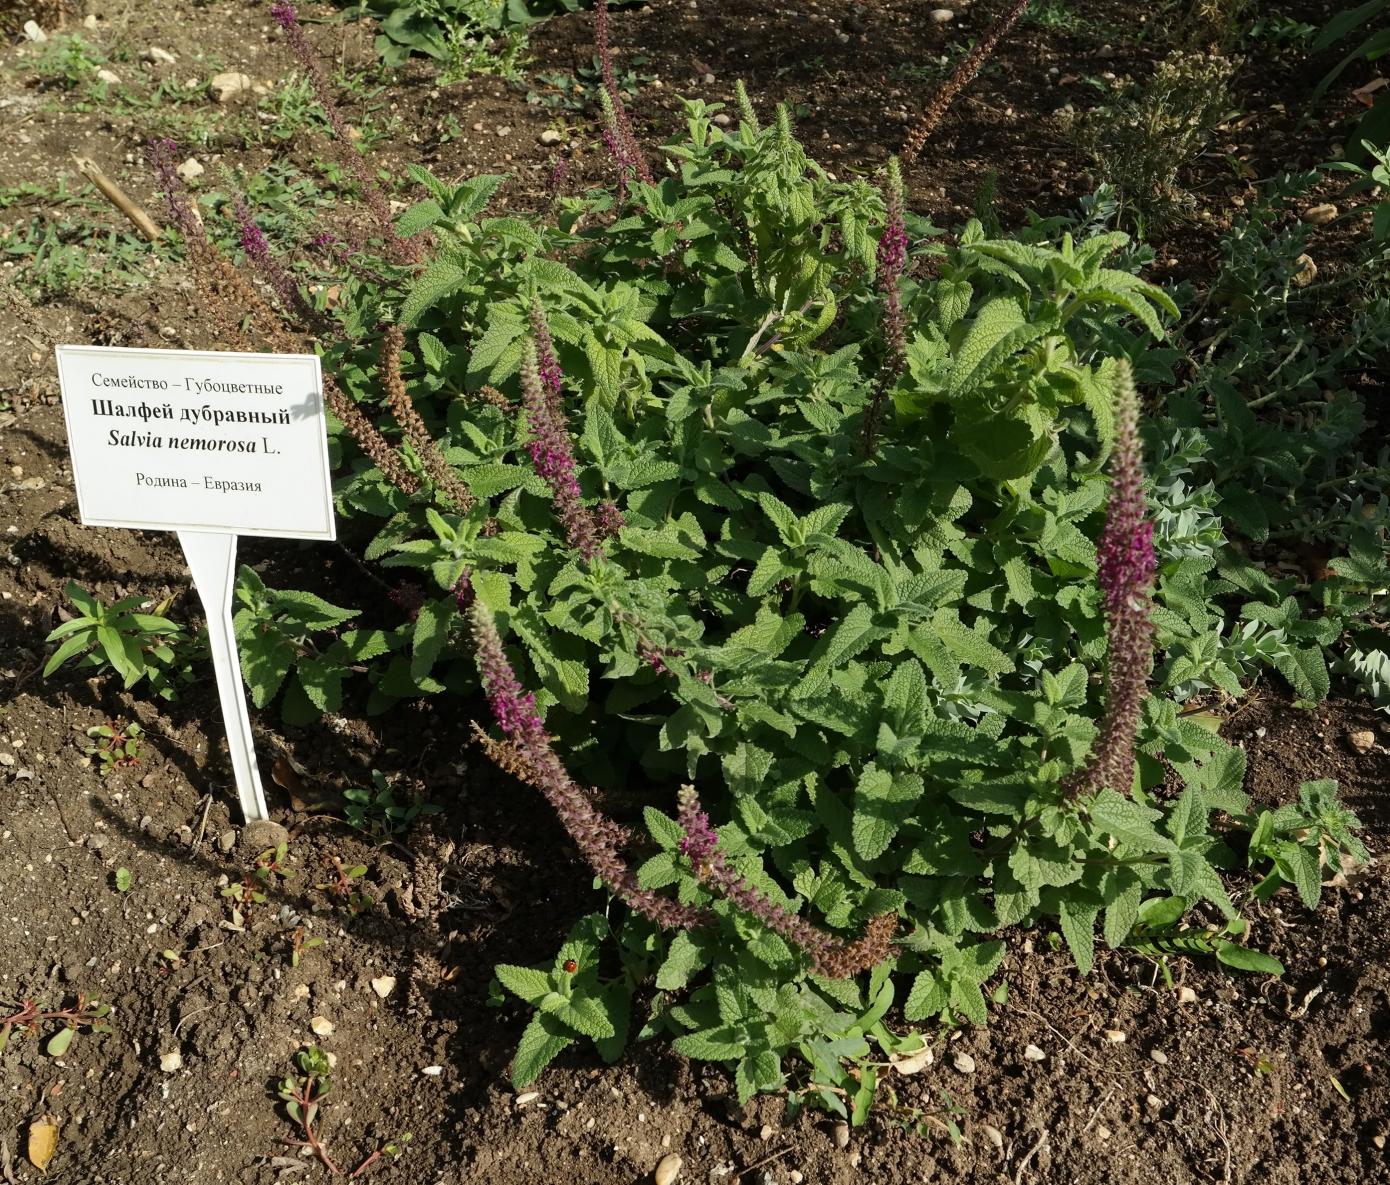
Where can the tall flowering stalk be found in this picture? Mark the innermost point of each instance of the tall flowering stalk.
(829, 956)
(963, 73)
(402, 250)
(1126, 566)
(552, 452)
(235, 306)
(446, 481)
(257, 248)
(890, 260)
(619, 137)
(597, 837)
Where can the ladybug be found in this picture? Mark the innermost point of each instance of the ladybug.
(571, 966)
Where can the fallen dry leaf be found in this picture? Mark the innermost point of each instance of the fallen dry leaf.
(43, 1142)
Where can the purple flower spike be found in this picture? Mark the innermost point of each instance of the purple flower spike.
(829, 956)
(529, 755)
(551, 451)
(1126, 566)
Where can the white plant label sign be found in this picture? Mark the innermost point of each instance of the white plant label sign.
(210, 445)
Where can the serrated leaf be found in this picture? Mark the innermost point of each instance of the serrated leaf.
(542, 1041)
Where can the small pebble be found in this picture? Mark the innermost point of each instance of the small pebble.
(171, 1062)
(155, 54)
(722, 120)
(668, 1168)
(322, 1026)
(993, 1135)
(1363, 740)
(190, 169)
(227, 840)
(432, 1071)
(1115, 1036)
(963, 1062)
(842, 1134)
(796, 1178)
(765, 1133)
(529, 1096)
(1320, 215)
(1158, 1056)
(110, 77)
(1033, 1054)
(1186, 996)
(942, 16)
(1153, 1102)
(551, 136)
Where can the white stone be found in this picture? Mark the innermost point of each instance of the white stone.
(190, 169)
(110, 77)
(384, 985)
(155, 54)
(668, 1168)
(171, 1062)
(322, 1026)
(33, 32)
(551, 136)
(227, 85)
(963, 1062)
(1033, 1054)
(942, 16)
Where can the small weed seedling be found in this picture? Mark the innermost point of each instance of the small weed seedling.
(250, 891)
(375, 810)
(118, 746)
(123, 880)
(343, 885)
(85, 1014)
(303, 1093)
(300, 941)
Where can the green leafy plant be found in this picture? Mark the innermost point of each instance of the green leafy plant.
(122, 880)
(1374, 126)
(1160, 932)
(86, 1014)
(1304, 842)
(294, 640)
(303, 1091)
(123, 637)
(118, 745)
(375, 809)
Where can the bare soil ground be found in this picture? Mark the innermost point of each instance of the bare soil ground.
(1244, 1080)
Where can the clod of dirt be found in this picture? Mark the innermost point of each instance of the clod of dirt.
(1320, 215)
(1363, 740)
(667, 1169)
(260, 834)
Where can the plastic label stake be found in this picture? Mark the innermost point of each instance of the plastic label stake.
(212, 560)
(209, 445)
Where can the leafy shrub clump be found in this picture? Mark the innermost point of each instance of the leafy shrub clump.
(744, 493)
(875, 655)
(1142, 140)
